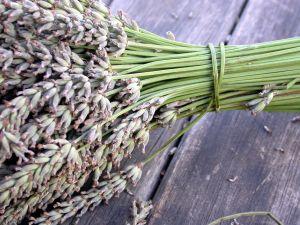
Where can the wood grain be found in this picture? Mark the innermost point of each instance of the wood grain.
(196, 190)
(107, 2)
(208, 23)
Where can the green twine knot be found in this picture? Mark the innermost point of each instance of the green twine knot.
(217, 77)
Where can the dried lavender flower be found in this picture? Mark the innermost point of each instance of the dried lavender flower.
(35, 174)
(78, 205)
(140, 212)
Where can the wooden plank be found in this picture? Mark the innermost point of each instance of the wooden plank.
(191, 21)
(195, 189)
(208, 22)
(107, 2)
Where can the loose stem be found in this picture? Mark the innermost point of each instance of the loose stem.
(246, 214)
(178, 135)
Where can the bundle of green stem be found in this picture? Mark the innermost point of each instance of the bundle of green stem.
(81, 89)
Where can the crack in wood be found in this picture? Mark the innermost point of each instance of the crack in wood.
(234, 26)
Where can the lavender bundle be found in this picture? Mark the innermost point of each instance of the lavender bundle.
(81, 89)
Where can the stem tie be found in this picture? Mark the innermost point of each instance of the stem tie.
(217, 77)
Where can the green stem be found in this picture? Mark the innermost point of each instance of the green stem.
(246, 214)
(178, 135)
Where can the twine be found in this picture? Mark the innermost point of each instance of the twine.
(217, 77)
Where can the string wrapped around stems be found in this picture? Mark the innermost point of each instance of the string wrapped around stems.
(217, 76)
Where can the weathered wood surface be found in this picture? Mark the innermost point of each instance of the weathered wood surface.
(195, 189)
(107, 2)
(211, 22)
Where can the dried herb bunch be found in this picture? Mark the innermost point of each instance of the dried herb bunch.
(81, 89)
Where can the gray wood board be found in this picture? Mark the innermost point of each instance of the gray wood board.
(196, 190)
(208, 22)
(107, 2)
